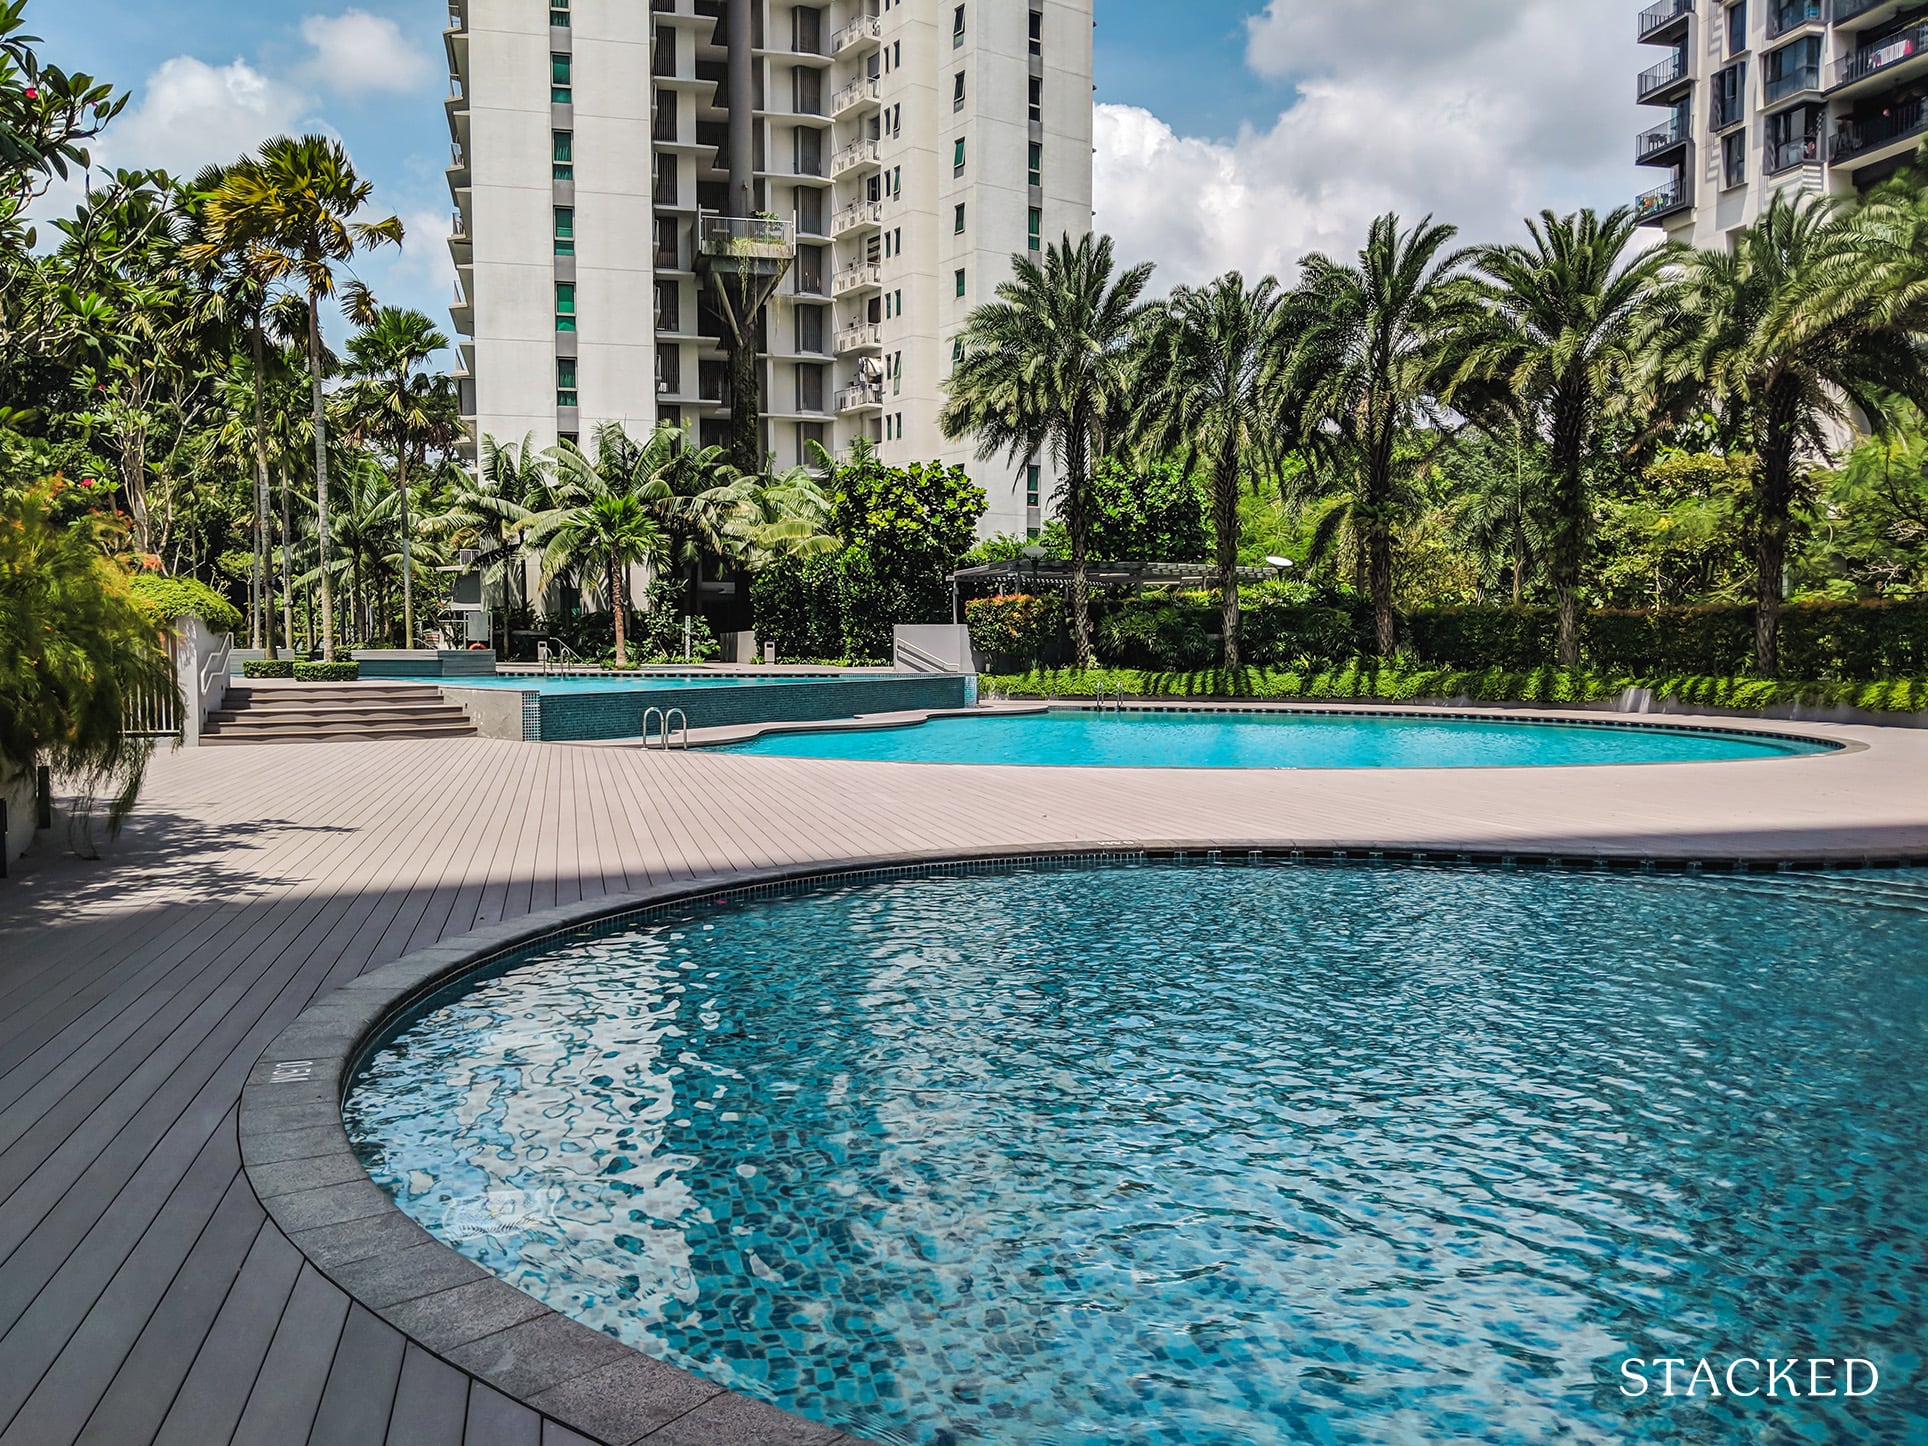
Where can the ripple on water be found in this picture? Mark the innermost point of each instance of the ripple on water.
(1176, 1154)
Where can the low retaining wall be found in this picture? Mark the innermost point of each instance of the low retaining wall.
(583, 717)
(425, 663)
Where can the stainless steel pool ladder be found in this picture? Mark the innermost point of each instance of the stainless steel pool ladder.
(666, 725)
(1116, 692)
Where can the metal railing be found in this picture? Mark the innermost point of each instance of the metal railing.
(744, 236)
(1661, 138)
(861, 394)
(1661, 76)
(152, 714)
(855, 338)
(666, 727)
(1662, 200)
(1891, 51)
(1791, 82)
(861, 213)
(864, 27)
(1855, 138)
(1789, 15)
(1658, 17)
(1804, 150)
(1846, 10)
(852, 277)
(856, 93)
(857, 153)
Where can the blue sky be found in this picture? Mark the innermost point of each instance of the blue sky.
(1229, 132)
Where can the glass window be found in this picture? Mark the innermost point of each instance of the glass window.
(957, 91)
(559, 86)
(1037, 99)
(1033, 476)
(565, 306)
(563, 155)
(957, 157)
(957, 28)
(1737, 28)
(1037, 32)
(565, 231)
(566, 394)
(1733, 158)
(957, 220)
(1036, 177)
(1729, 96)
(960, 281)
(559, 13)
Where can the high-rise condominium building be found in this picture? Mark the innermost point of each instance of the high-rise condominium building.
(1761, 95)
(609, 153)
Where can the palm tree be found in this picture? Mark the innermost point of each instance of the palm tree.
(598, 521)
(1566, 319)
(703, 505)
(291, 209)
(1212, 383)
(1372, 351)
(1500, 513)
(402, 406)
(490, 510)
(1049, 368)
(1807, 321)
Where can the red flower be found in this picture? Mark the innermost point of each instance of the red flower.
(33, 93)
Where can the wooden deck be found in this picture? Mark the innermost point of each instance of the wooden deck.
(144, 1297)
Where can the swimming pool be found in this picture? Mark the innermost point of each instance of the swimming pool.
(1279, 739)
(563, 684)
(1189, 1154)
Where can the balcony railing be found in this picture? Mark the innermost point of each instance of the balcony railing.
(862, 89)
(1846, 10)
(756, 236)
(862, 213)
(1786, 15)
(1792, 81)
(856, 338)
(1891, 51)
(1857, 138)
(850, 278)
(1804, 150)
(1667, 73)
(1660, 138)
(1663, 200)
(863, 28)
(860, 395)
(857, 153)
(1658, 17)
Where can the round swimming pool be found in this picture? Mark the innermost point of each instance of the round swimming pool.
(1188, 1154)
(1081, 737)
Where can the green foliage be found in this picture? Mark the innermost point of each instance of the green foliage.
(1017, 627)
(326, 672)
(75, 649)
(268, 668)
(1368, 680)
(169, 599)
(1151, 511)
(1159, 631)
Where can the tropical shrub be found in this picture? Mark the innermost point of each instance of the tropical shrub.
(1016, 628)
(326, 672)
(1160, 631)
(169, 599)
(75, 649)
(268, 668)
(1274, 634)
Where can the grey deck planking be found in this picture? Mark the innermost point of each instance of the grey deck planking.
(139, 1282)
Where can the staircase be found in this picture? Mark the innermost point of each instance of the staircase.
(333, 713)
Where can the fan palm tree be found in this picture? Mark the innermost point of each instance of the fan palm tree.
(1212, 381)
(1372, 350)
(292, 209)
(1810, 319)
(1049, 368)
(402, 405)
(1565, 320)
(598, 522)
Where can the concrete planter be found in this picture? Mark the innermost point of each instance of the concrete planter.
(425, 662)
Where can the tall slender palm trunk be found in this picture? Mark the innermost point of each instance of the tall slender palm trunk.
(287, 565)
(1077, 523)
(321, 478)
(262, 526)
(401, 486)
(618, 606)
(1774, 486)
(1225, 526)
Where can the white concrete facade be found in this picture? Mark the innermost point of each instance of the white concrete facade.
(914, 145)
(1760, 96)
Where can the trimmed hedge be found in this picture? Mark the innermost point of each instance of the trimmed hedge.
(1016, 627)
(167, 600)
(268, 668)
(1394, 683)
(326, 672)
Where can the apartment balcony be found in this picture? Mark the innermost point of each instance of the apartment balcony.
(855, 280)
(763, 238)
(1791, 84)
(865, 336)
(1793, 153)
(458, 172)
(1663, 81)
(863, 216)
(1664, 23)
(861, 93)
(1663, 201)
(1865, 13)
(461, 244)
(1657, 146)
(860, 35)
(1786, 16)
(860, 397)
(857, 156)
(1881, 137)
(462, 312)
(1894, 57)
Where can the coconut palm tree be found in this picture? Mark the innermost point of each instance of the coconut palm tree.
(1213, 378)
(1372, 351)
(490, 510)
(598, 522)
(1049, 369)
(292, 208)
(1500, 513)
(404, 406)
(1806, 323)
(1564, 325)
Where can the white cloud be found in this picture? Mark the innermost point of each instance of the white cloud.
(356, 53)
(191, 114)
(1475, 111)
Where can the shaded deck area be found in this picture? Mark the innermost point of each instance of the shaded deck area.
(145, 1297)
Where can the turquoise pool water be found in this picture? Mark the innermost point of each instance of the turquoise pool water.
(617, 683)
(1235, 1155)
(1078, 737)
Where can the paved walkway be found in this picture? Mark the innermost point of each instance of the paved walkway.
(143, 1295)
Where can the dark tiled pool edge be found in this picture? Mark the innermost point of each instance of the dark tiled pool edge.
(301, 1167)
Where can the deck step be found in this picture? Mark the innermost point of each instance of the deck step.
(334, 713)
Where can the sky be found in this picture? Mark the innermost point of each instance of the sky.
(1229, 133)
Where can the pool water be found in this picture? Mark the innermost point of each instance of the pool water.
(1079, 737)
(1192, 1154)
(619, 682)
